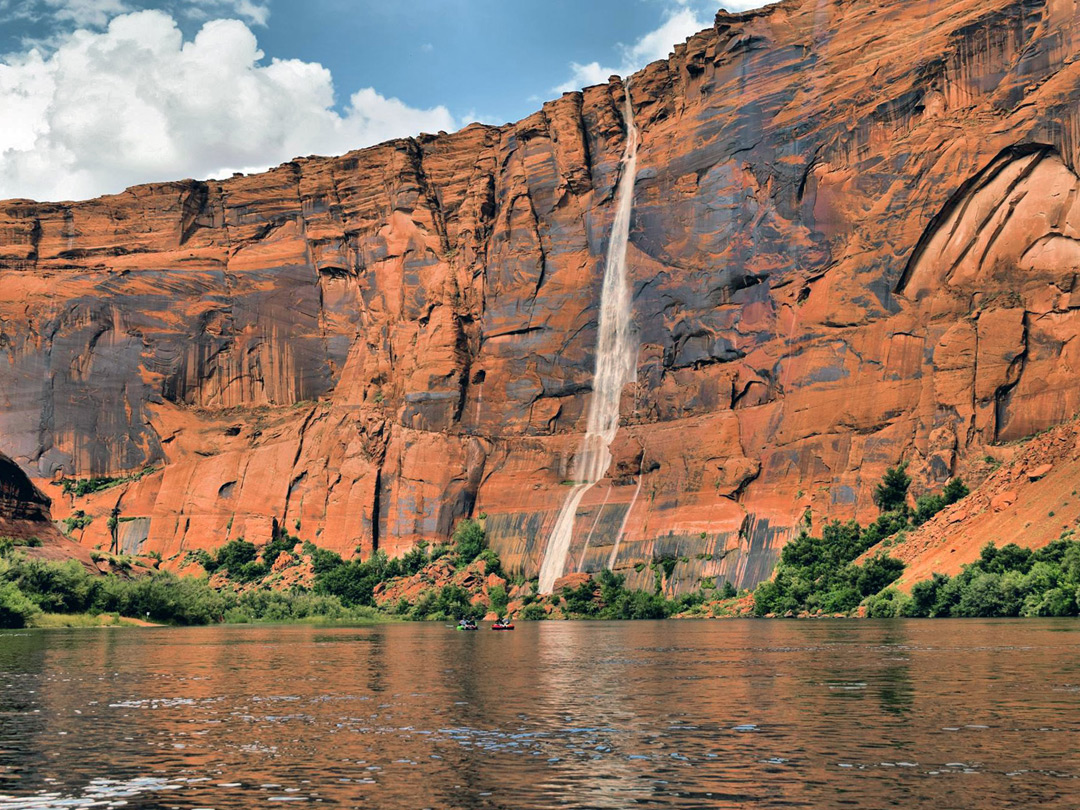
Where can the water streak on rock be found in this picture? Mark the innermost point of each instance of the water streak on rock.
(616, 355)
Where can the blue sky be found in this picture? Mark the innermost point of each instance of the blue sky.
(96, 95)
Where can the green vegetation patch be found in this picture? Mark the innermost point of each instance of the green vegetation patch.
(29, 588)
(1006, 581)
(9, 543)
(87, 486)
(607, 597)
(77, 521)
(819, 574)
(354, 582)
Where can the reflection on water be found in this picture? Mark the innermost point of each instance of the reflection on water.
(943, 714)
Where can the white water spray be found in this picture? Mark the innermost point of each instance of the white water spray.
(616, 365)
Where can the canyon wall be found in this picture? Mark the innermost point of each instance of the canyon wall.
(25, 519)
(855, 240)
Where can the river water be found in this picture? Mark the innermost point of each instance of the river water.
(738, 713)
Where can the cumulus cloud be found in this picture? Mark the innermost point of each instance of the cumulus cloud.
(86, 12)
(135, 102)
(254, 12)
(682, 19)
(98, 13)
(678, 24)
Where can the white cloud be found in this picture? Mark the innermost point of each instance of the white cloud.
(735, 6)
(255, 13)
(682, 19)
(136, 103)
(658, 43)
(679, 23)
(590, 74)
(86, 12)
(98, 13)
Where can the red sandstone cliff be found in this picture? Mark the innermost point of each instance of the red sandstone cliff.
(856, 239)
(25, 518)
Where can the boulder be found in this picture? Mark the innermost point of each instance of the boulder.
(1003, 500)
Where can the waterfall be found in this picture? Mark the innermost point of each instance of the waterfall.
(616, 365)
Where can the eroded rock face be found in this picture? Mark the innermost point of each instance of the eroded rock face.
(20, 500)
(854, 241)
(25, 516)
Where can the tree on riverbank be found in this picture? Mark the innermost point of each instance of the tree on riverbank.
(1006, 581)
(818, 574)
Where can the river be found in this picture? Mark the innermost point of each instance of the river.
(738, 713)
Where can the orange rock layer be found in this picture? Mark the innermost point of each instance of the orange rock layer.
(856, 239)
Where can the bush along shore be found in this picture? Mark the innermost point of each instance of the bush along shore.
(288, 580)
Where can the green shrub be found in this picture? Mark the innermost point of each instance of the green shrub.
(1006, 581)
(666, 564)
(926, 506)
(876, 573)
(7, 544)
(581, 601)
(929, 505)
(1056, 601)
(56, 587)
(888, 604)
(86, 486)
(954, 490)
(491, 560)
(234, 555)
(818, 574)
(283, 543)
(264, 605)
(67, 588)
(987, 594)
(638, 605)
(533, 613)
(469, 541)
(78, 520)
(891, 494)
(323, 561)
(498, 599)
(165, 597)
(16, 610)
(925, 595)
(606, 597)
(887, 524)
(353, 581)
(415, 559)
(449, 602)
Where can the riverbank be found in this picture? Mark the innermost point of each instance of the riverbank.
(70, 620)
(844, 571)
